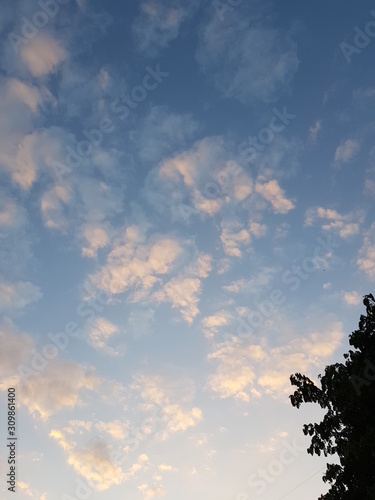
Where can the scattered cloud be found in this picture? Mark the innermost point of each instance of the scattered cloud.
(16, 348)
(100, 331)
(159, 24)
(366, 256)
(247, 370)
(314, 131)
(212, 324)
(346, 151)
(345, 225)
(352, 298)
(158, 391)
(246, 59)
(93, 462)
(58, 387)
(15, 296)
(233, 236)
(42, 55)
(273, 193)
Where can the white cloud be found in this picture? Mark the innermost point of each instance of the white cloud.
(314, 131)
(92, 462)
(11, 214)
(116, 429)
(42, 55)
(246, 370)
(100, 331)
(246, 59)
(30, 492)
(140, 322)
(162, 132)
(181, 180)
(184, 290)
(151, 491)
(16, 348)
(273, 193)
(370, 187)
(59, 386)
(171, 396)
(235, 375)
(52, 204)
(345, 225)
(96, 236)
(18, 295)
(346, 151)
(254, 284)
(233, 237)
(352, 298)
(366, 256)
(159, 23)
(25, 156)
(27, 94)
(212, 324)
(165, 467)
(150, 268)
(137, 263)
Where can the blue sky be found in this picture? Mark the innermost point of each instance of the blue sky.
(186, 219)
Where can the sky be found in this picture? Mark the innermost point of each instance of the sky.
(186, 219)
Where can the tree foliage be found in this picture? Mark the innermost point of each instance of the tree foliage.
(347, 393)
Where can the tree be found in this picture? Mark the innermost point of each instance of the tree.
(347, 393)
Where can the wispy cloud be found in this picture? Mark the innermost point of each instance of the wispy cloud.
(346, 151)
(246, 59)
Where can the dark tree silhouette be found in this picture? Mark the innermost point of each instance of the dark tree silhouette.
(347, 394)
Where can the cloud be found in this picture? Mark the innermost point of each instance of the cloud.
(180, 180)
(184, 290)
(346, 151)
(254, 284)
(92, 462)
(314, 131)
(366, 256)
(140, 322)
(27, 94)
(32, 154)
(137, 263)
(165, 467)
(246, 370)
(42, 55)
(162, 132)
(52, 204)
(211, 324)
(100, 331)
(235, 375)
(352, 298)
(143, 265)
(18, 295)
(345, 225)
(370, 187)
(273, 193)
(97, 236)
(15, 240)
(56, 388)
(30, 492)
(171, 396)
(159, 24)
(233, 235)
(10, 213)
(246, 59)
(16, 348)
(151, 491)
(116, 429)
